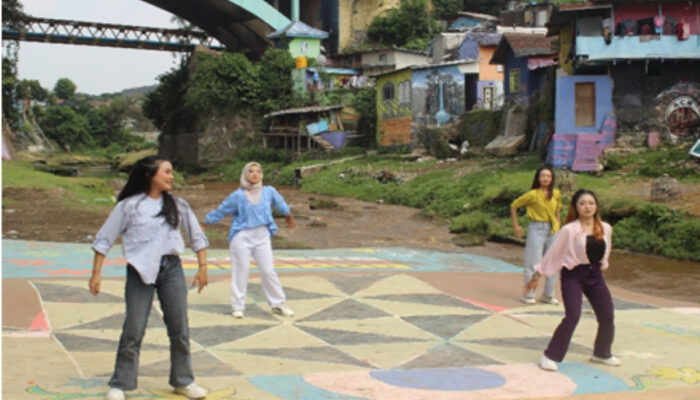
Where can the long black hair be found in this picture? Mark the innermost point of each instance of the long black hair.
(140, 182)
(536, 181)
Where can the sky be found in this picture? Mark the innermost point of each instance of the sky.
(95, 70)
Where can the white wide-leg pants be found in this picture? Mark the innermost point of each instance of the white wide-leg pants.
(253, 242)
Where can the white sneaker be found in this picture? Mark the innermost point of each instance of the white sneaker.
(193, 391)
(528, 300)
(283, 310)
(611, 361)
(549, 300)
(238, 314)
(115, 394)
(547, 364)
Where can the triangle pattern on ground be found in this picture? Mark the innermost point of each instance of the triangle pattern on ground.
(251, 311)
(529, 343)
(445, 326)
(56, 293)
(353, 284)
(346, 309)
(435, 299)
(83, 343)
(321, 354)
(116, 321)
(255, 292)
(203, 364)
(339, 337)
(448, 355)
(215, 335)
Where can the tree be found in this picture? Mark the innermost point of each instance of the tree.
(165, 106)
(32, 90)
(275, 77)
(365, 103)
(66, 127)
(65, 89)
(444, 9)
(410, 26)
(9, 83)
(225, 81)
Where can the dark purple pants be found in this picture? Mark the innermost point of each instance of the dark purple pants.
(588, 280)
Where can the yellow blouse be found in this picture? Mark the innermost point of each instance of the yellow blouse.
(539, 208)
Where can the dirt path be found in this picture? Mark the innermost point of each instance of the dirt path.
(38, 215)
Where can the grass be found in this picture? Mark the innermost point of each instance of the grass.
(77, 193)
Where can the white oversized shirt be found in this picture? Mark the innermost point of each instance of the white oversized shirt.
(146, 237)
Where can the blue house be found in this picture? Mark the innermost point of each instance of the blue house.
(525, 58)
(631, 66)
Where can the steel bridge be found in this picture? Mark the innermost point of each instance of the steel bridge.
(46, 30)
(237, 25)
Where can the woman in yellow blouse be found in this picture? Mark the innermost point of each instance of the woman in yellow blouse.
(543, 204)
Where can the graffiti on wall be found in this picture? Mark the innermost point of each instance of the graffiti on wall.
(682, 113)
(429, 104)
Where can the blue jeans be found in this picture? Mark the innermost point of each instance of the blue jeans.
(537, 243)
(172, 295)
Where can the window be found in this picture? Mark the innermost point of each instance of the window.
(585, 104)
(388, 91)
(514, 83)
(304, 47)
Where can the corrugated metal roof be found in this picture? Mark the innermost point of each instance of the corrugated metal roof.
(485, 38)
(529, 45)
(303, 110)
(298, 29)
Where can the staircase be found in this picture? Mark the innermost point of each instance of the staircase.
(322, 142)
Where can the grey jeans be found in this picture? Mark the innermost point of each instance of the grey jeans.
(537, 243)
(172, 295)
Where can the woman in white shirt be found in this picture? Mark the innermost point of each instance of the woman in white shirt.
(148, 218)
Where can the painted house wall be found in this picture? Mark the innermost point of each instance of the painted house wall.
(394, 116)
(511, 64)
(632, 47)
(564, 113)
(426, 92)
(565, 41)
(498, 95)
(313, 48)
(393, 58)
(487, 71)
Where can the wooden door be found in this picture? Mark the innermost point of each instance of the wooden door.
(585, 103)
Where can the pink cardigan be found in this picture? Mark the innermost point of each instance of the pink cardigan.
(569, 249)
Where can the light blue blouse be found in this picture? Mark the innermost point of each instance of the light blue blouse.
(246, 215)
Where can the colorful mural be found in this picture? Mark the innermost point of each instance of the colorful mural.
(428, 103)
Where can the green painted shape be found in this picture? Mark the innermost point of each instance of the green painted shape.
(264, 11)
(313, 49)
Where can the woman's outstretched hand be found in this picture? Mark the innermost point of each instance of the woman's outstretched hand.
(290, 222)
(532, 285)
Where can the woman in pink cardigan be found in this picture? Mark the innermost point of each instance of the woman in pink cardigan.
(580, 252)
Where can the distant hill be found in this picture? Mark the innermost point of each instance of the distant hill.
(138, 90)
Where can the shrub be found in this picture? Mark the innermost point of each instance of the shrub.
(476, 222)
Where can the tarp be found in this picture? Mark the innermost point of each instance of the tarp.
(540, 62)
(336, 138)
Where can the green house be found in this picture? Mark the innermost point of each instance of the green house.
(299, 39)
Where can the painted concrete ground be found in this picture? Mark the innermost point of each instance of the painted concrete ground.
(370, 324)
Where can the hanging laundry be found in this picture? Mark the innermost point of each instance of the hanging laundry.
(659, 24)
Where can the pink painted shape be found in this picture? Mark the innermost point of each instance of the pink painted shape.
(40, 323)
(522, 381)
(33, 263)
(484, 305)
(66, 271)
